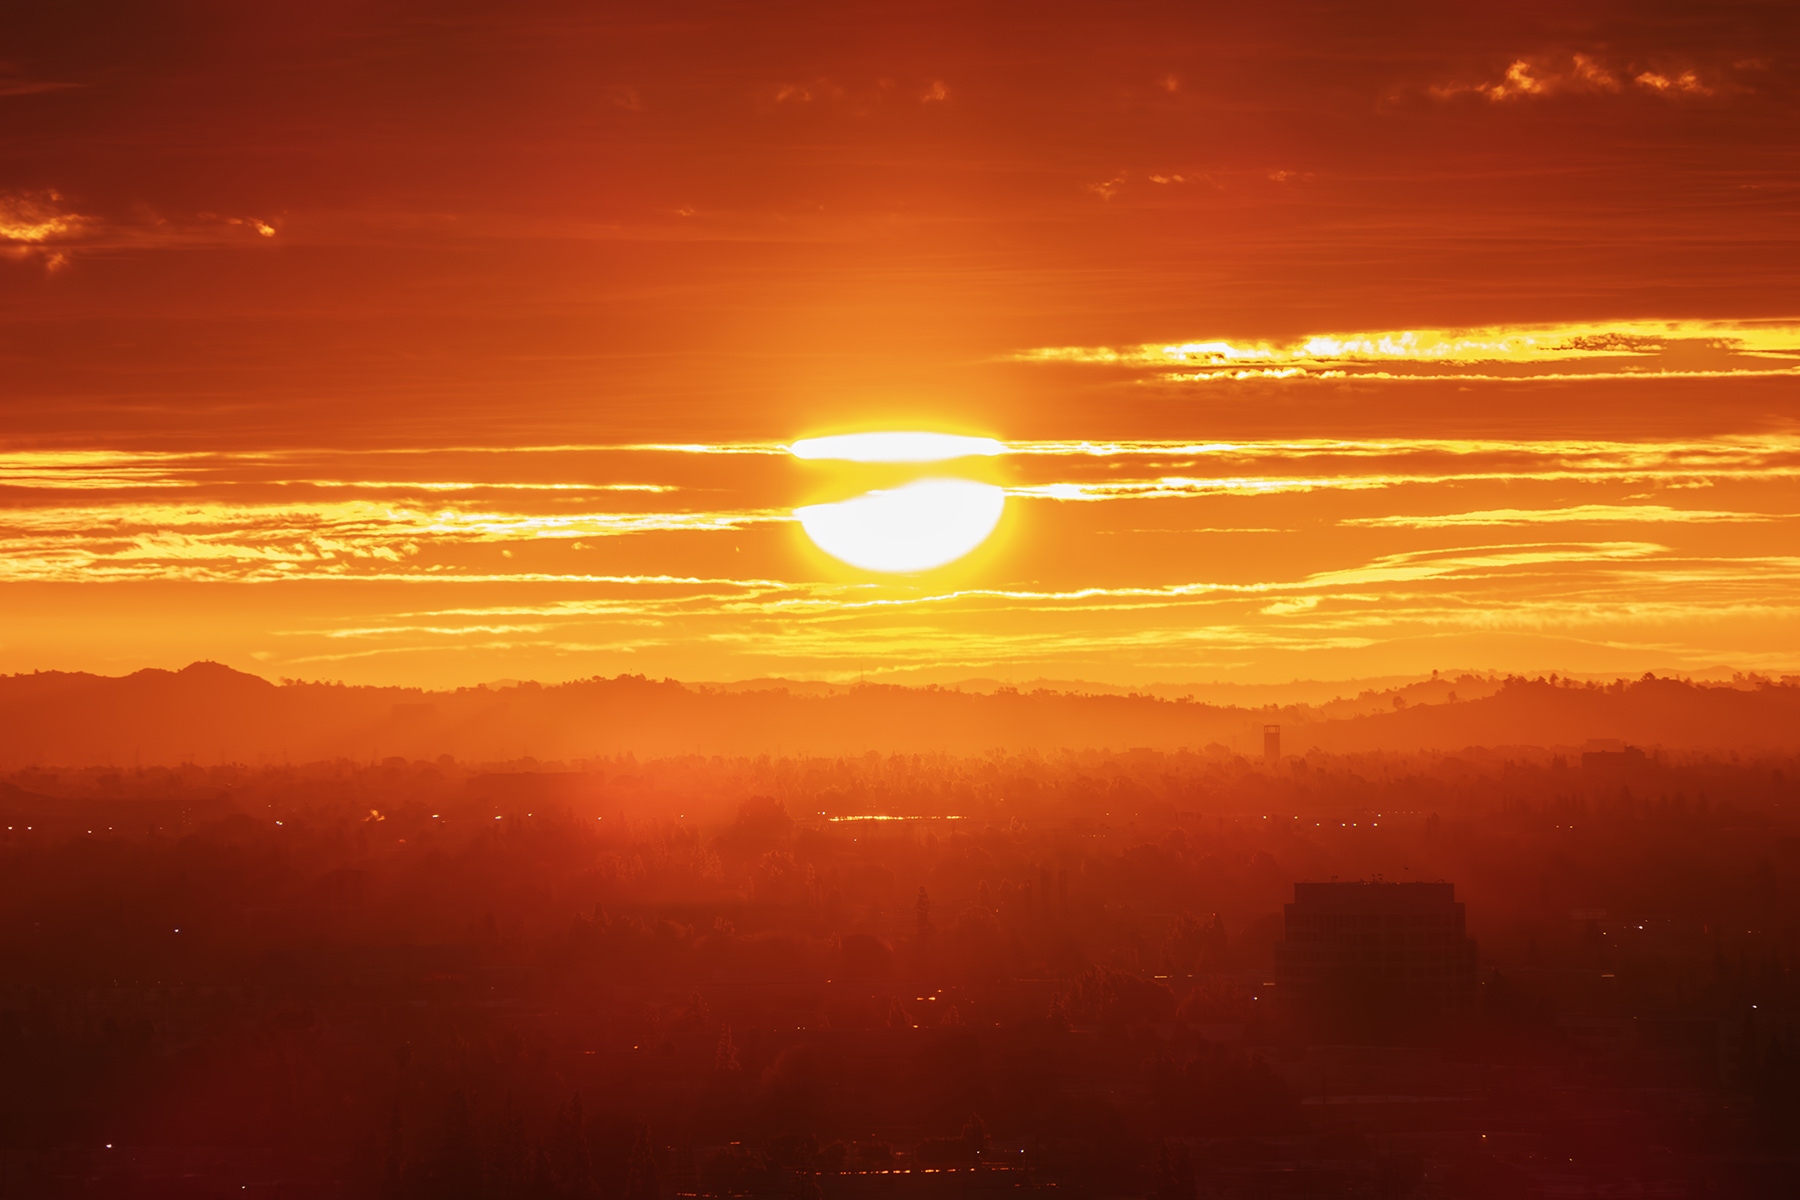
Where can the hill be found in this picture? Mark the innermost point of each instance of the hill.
(208, 712)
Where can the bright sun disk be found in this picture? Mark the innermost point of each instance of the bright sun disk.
(915, 527)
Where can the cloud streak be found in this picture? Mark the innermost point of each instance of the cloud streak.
(251, 516)
(263, 542)
(1576, 514)
(1610, 350)
(1541, 77)
(1409, 594)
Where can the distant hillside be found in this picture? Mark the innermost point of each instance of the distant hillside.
(208, 713)
(1647, 712)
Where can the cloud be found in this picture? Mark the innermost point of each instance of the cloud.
(1580, 514)
(262, 228)
(37, 225)
(859, 98)
(1608, 350)
(41, 225)
(72, 470)
(1055, 470)
(13, 86)
(1611, 586)
(101, 468)
(1306, 465)
(417, 485)
(248, 542)
(1686, 82)
(1416, 565)
(1106, 189)
(806, 93)
(1577, 74)
(1176, 488)
(1621, 588)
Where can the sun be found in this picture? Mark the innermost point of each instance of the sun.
(914, 526)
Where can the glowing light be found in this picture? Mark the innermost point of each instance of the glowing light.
(916, 527)
(896, 447)
(35, 217)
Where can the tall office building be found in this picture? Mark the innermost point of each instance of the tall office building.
(1393, 948)
(1272, 744)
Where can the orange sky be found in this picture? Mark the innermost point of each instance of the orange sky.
(440, 343)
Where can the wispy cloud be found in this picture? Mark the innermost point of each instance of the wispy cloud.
(47, 226)
(418, 485)
(1576, 514)
(1579, 589)
(39, 225)
(13, 85)
(1649, 453)
(1345, 466)
(261, 542)
(1611, 350)
(34, 218)
(124, 469)
(859, 98)
(1177, 488)
(1414, 565)
(251, 516)
(1543, 76)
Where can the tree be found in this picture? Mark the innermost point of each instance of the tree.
(640, 1172)
(569, 1150)
(1175, 1179)
(394, 1162)
(725, 1057)
(508, 1166)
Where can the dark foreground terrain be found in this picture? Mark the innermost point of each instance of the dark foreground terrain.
(891, 976)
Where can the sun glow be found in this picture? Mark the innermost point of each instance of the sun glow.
(896, 447)
(915, 527)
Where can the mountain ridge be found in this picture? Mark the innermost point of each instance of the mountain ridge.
(209, 712)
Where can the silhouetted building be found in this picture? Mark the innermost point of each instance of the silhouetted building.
(1378, 950)
(1272, 743)
(1610, 754)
